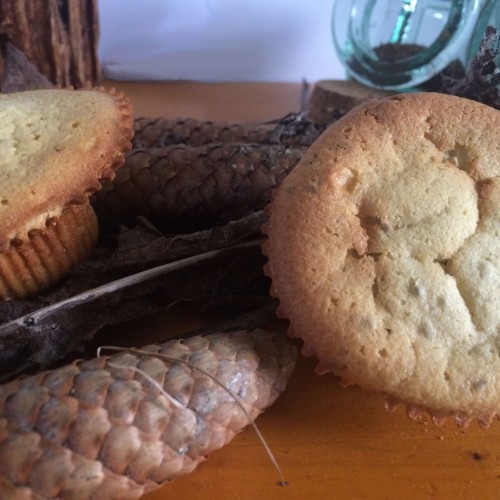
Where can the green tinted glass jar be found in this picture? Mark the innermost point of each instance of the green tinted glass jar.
(400, 44)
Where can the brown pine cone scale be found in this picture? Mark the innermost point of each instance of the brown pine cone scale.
(159, 132)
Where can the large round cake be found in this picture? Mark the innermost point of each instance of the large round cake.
(384, 252)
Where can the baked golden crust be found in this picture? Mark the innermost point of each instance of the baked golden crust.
(384, 250)
(49, 253)
(56, 146)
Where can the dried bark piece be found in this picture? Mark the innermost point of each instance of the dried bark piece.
(297, 130)
(331, 98)
(60, 37)
(182, 188)
(141, 246)
(19, 74)
(100, 429)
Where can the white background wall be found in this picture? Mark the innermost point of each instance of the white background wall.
(218, 40)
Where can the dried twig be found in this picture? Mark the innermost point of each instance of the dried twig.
(48, 331)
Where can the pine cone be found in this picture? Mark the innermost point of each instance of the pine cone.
(100, 429)
(294, 129)
(159, 132)
(184, 188)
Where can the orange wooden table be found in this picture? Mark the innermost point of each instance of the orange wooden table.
(330, 442)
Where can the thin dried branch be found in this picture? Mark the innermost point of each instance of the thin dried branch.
(48, 330)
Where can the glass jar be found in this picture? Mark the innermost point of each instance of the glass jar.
(400, 44)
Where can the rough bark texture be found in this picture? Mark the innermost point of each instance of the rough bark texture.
(59, 37)
(100, 429)
(197, 186)
(331, 98)
(18, 73)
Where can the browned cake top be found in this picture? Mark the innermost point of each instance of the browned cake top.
(55, 147)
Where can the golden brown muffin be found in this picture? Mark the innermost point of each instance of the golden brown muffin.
(384, 251)
(56, 146)
(30, 266)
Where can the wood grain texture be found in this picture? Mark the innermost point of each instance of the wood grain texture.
(331, 442)
(59, 37)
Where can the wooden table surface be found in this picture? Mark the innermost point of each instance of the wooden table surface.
(331, 442)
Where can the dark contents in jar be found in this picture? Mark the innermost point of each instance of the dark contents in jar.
(391, 52)
(388, 53)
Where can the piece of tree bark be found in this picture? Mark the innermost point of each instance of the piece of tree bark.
(331, 98)
(58, 36)
(19, 74)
